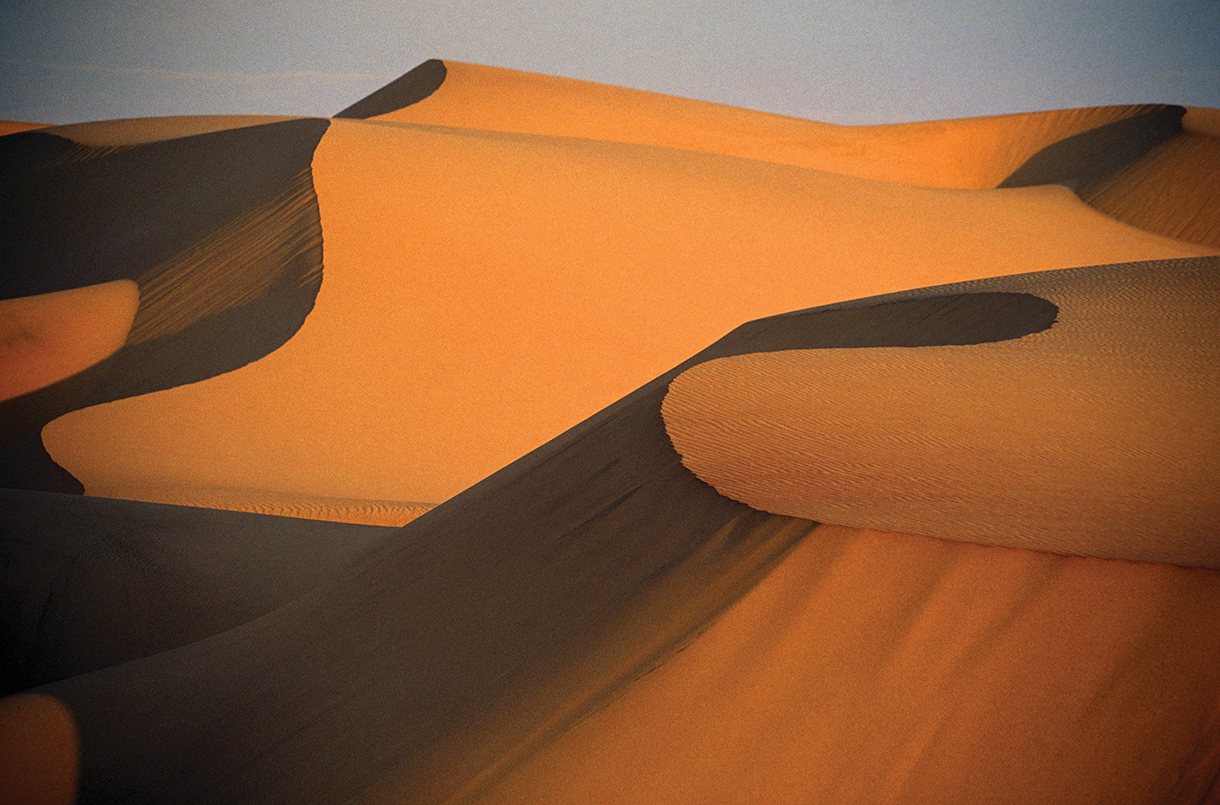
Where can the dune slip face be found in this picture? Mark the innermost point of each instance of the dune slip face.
(219, 232)
(465, 271)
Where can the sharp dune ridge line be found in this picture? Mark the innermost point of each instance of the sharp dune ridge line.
(973, 153)
(494, 290)
(1099, 436)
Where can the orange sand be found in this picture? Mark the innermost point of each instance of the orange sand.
(483, 291)
(48, 337)
(970, 153)
(39, 755)
(14, 126)
(505, 287)
(875, 667)
(1100, 436)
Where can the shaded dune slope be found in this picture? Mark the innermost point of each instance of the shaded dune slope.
(1171, 190)
(460, 654)
(411, 87)
(90, 582)
(219, 231)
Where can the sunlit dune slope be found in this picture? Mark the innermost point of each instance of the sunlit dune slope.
(48, 337)
(593, 623)
(1098, 434)
(971, 153)
(14, 126)
(465, 272)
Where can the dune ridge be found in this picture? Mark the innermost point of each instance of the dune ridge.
(282, 504)
(970, 153)
(531, 616)
(560, 246)
(1096, 437)
(341, 314)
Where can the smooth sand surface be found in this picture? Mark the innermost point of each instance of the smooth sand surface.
(880, 667)
(14, 126)
(969, 153)
(482, 269)
(141, 130)
(1099, 436)
(38, 751)
(48, 337)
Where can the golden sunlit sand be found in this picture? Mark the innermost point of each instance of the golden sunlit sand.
(409, 474)
(583, 268)
(46, 338)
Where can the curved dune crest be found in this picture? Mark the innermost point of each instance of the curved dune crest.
(506, 254)
(559, 248)
(595, 603)
(970, 153)
(48, 337)
(411, 87)
(1099, 436)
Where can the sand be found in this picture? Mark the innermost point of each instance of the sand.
(14, 126)
(38, 751)
(337, 318)
(974, 153)
(46, 338)
(1098, 436)
(496, 649)
(877, 667)
(585, 268)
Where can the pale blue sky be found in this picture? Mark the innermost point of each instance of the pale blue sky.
(855, 62)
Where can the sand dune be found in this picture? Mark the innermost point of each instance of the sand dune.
(975, 153)
(88, 582)
(338, 317)
(560, 248)
(1109, 420)
(500, 647)
(14, 126)
(49, 337)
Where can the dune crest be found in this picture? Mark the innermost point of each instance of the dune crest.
(278, 503)
(1099, 436)
(48, 337)
(538, 279)
(969, 153)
